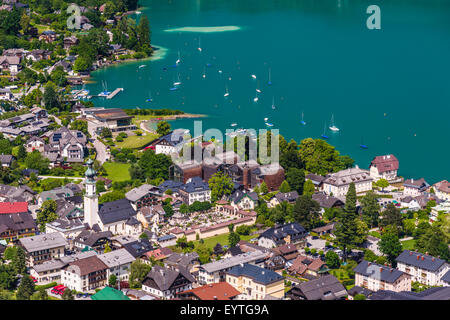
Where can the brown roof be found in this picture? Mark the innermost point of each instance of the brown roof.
(385, 163)
(215, 291)
(443, 186)
(89, 265)
(285, 249)
(303, 263)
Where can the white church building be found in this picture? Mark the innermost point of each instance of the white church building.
(118, 216)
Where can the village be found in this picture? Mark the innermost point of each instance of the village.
(93, 207)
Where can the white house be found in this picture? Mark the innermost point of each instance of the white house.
(118, 262)
(423, 268)
(442, 190)
(384, 167)
(415, 188)
(337, 184)
(84, 275)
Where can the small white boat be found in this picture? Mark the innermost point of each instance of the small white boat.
(179, 58)
(273, 103)
(176, 83)
(142, 66)
(234, 124)
(256, 99)
(138, 12)
(257, 90)
(226, 93)
(333, 127)
(220, 71)
(253, 76)
(269, 124)
(265, 119)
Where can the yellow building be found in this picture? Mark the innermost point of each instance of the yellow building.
(255, 283)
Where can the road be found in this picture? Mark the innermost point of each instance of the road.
(102, 153)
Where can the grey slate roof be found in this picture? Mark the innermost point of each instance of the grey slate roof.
(139, 247)
(257, 274)
(324, 288)
(446, 277)
(424, 261)
(43, 241)
(326, 201)
(278, 233)
(163, 278)
(377, 271)
(169, 184)
(196, 184)
(239, 195)
(435, 293)
(119, 210)
(89, 238)
(287, 196)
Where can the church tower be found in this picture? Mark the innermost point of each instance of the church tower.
(90, 197)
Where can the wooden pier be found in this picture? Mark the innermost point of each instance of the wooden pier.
(114, 93)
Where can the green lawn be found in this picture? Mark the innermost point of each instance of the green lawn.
(136, 142)
(409, 244)
(222, 239)
(117, 171)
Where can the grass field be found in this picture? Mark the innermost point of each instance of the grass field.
(117, 171)
(409, 244)
(136, 142)
(222, 239)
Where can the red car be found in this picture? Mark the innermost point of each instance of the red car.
(33, 278)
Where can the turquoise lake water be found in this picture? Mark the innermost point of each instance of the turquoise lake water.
(388, 89)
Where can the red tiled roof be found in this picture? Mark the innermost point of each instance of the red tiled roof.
(385, 163)
(215, 291)
(13, 207)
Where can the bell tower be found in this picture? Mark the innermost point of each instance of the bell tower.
(90, 197)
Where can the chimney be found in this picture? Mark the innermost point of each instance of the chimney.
(423, 258)
(418, 257)
(432, 259)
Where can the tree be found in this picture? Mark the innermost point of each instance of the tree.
(285, 187)
(263, 188)
(25, 23)
(233, 239)
(21, 152)
(51, 100)
(220, 185)
(347, 227)
(68, 295)
(163, 128)
(382, 183)
(138, 271)
(143, 33)
(111, 196)
(391, 246)
(370, 209)
(47, 214)
(350, 199)
(319, 157)
(362, 231)
(296, 179)
(308, 188)
(26, 288)
(19, 261)
(154, 165)
(81, 64)
(41, 294)
(107, 248)
(36, 161)
(112, 280)
(332, 260)
(204, 253)
(391, 217)
(306, 212)
(433, 241)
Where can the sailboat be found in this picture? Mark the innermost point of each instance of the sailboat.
(178, 82)
(149, 99)
(179, 58)
(255, 99)
(324, 131)
(270, 78)
(199, 45)
(303, 122)
(273, 103)
(333, 127)
(226, 93)
(362, 145)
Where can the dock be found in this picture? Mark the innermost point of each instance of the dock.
(114, 93)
